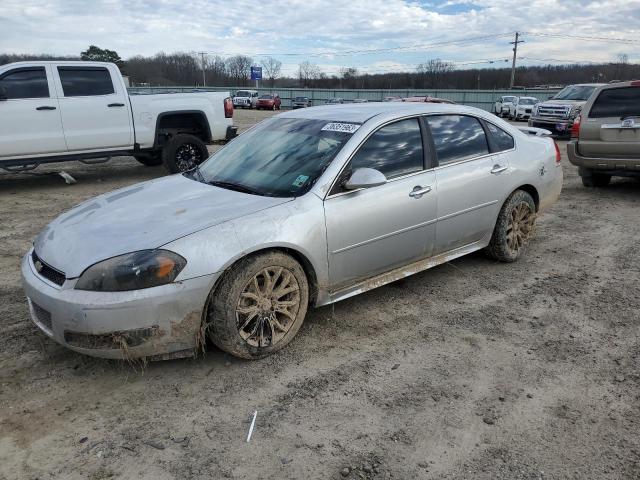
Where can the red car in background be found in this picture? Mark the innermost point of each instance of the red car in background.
(270, 101)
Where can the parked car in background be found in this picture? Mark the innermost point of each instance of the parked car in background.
(557, 113)
(300, 102)
(270, 101)
(605, 136)
(521, 107)
(62, 111)
(427, 99)
(303, 210)
(334, 101)
(392, 99)
(360, 100)
(245, 99)
(502, 105)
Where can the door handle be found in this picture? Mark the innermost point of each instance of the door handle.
(46, 107)
(116, 105)
(419, 191)
(498, 169)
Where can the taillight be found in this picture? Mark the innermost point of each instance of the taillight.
(228, 108)
(635, 83)
(575, 128)
(558, 156)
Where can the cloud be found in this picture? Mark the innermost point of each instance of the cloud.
(323, 29)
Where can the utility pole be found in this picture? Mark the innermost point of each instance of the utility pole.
(515, 52)
(204, 76)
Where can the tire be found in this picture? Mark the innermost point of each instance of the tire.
(517, 214)
(152, 159)
(225, 321)
(591, 179)
(184, 152)
(274, 107)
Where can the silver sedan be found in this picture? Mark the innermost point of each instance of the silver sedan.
(305, 209)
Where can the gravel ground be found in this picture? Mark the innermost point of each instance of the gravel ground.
(473, 369)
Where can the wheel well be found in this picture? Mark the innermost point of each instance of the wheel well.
(531, 190)
(174, 123)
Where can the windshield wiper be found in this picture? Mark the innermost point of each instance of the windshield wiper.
(238, 187)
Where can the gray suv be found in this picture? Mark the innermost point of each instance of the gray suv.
(557, 113)
(606, 136)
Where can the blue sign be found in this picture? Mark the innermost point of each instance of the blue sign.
(256, 73)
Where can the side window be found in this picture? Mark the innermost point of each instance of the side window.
(501, 140)
(25, 83)
(395, 150)
(85, 81)
(617, 102)
(457, 137)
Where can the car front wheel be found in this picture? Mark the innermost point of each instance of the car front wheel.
(514, 228)
(259, 305)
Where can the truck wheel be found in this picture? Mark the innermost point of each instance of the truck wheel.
(514, 227)
(184, 152)
(152, 159)
(259, 305)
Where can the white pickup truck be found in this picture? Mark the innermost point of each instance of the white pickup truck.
(62, 111)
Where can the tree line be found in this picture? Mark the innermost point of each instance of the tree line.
(184, 69)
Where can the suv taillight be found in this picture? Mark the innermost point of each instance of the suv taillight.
(575, 128)
(228, 108)
(558, 156)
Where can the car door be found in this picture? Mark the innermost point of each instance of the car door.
(469, 178)
(30, 121)
(95, 108)
(373, 230)
(611, 127)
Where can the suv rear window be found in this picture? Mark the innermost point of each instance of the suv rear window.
(617, 102)
(85, 81)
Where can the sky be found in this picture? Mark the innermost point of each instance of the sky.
(373, 36)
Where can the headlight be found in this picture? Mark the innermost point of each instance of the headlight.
(132, 271)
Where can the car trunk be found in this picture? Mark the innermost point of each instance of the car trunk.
(612, 126)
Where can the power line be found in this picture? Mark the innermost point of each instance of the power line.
(628, 41)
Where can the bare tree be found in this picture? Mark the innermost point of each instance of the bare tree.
(238, 68)
(349, 77)
(272, 68)
(308, 72)
(432, 72)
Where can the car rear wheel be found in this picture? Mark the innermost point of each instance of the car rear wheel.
(184, 152)
(259, 305)
(514, 228)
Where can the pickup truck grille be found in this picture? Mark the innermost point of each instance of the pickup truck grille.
(553, 111)
(46, 271)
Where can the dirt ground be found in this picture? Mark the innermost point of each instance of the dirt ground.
(474, 369)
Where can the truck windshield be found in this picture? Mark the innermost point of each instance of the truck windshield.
(575, 92)
(243, 93)
(280, 157)
(527, 101)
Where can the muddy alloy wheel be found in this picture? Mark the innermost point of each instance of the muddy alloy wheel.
(520, 227)
(514, 227)
(259, 305)
(268, 306)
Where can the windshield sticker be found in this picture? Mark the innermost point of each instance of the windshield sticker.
(340, 127)
(298, 182)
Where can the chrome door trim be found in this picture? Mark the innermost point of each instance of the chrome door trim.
(386, 235)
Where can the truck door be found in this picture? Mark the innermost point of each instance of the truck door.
(29, 113)
(95, 108)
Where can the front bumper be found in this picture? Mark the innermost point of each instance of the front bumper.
(119, 325)
(559, 126)
(621, 167)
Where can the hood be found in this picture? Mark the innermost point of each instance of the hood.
(143, 216)
(562, 102)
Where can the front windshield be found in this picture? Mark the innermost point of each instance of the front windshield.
(243, 93)
(508, 99)
(527, 101)
(575, 92)
(301, 99)
(280, 157)
(265, 97)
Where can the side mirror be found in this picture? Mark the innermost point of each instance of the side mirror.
(3, 93)
(365, 178)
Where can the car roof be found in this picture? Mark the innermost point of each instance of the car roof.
(361, 112)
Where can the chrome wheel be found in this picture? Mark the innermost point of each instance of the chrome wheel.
(268, 306)
(520, 227)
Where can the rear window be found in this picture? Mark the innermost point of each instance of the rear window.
(85, 82)
(457, 137)
(617, 102)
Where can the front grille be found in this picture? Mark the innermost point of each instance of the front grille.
(47, 271)
(111, 340)
(553, 111)
(527, 110)
(42, 315)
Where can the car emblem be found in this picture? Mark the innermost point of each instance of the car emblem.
(38, 265)
(628, 123)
